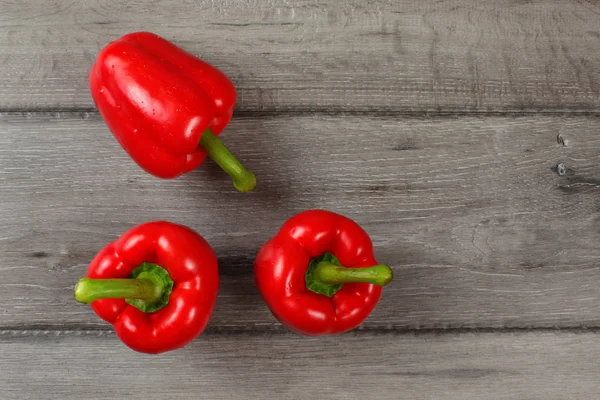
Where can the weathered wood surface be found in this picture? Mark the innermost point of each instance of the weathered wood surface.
(374, 56)
(479, 229)
(535, 366)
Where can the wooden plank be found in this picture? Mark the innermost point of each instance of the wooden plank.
(546, 366)
(480, 231)
(339, 55)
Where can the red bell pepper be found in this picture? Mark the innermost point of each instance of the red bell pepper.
(165, 106)
(318, 275)
(157, 285)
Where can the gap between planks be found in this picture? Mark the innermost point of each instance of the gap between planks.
(86, 112)
(281, 331)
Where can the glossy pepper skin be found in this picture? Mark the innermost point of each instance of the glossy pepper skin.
(280, 273)
(191, 265)
(159, 101)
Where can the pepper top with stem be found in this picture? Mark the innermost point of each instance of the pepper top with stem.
(318, 275)
(156, 285)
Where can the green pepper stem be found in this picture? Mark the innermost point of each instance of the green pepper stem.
(88, 290)
(243, 180)
(332, 274)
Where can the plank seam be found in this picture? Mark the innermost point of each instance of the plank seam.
(86, 113)
(100, 331)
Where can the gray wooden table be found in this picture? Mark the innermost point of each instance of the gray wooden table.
(437, 126)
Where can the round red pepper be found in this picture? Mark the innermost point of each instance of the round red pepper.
(157, 285)
(318, 275)
(165, 106)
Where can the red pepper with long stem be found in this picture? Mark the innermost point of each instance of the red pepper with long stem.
(318, 275)
(165, 106)
(157, 285)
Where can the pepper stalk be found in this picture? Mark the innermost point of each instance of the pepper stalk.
(326, 275)
(148, 288)
(243, 179)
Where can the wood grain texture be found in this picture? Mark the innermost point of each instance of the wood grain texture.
(357, 56)
(546, 366)
(479, 229)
